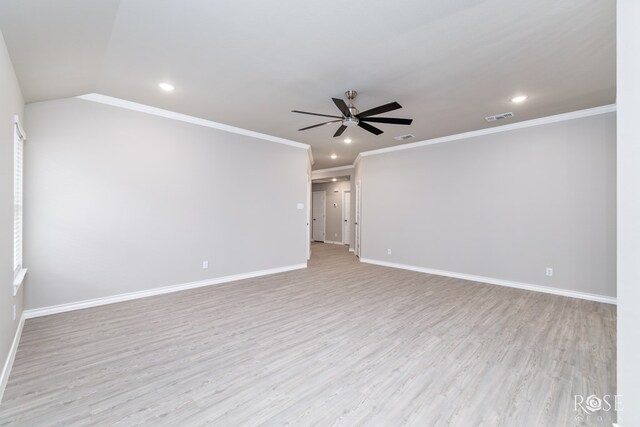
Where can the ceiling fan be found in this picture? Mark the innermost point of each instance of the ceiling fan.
(352, 117)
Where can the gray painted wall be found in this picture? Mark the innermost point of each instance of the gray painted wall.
(11, 103)
(628, 101)
(505, 205)
(121, 201)
(333, 226)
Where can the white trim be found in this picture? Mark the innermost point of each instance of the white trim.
(79, 305)
(351, 250)
(337, 168)
(357, 222)
(117, 102)
(310, 153)
(8, 364)
(505, 128)
(309, 213)
(17, 281)
(500, 282)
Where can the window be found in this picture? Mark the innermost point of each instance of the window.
(18, 148)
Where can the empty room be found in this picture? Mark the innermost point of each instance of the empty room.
(367, 213)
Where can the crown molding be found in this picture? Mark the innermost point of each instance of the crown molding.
(129, 105)
(337, 168)
(147, 109)
(504, 128)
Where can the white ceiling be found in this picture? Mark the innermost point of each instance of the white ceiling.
(248, 63)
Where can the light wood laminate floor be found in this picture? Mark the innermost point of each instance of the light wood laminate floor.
(339, 343)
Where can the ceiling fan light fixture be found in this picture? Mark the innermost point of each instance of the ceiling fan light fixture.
(350, 121)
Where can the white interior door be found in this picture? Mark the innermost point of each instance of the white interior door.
(346, 217)
(357, 220)
(309, 213)
(319, 208)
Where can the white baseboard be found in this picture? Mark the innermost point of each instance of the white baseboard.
(8, 364)
(500, 282)
(45, 311)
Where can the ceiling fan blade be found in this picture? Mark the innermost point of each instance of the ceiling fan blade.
(342, 106)
(381, 109)
(315, 114)
(320, 124)
(339, 131)
(366, 126)
(390, 120)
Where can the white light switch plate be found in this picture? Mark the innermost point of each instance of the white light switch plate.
(300, 206)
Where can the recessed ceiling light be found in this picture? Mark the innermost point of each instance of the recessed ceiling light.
(518, 99)
(167, 87)
(334, 179)
(334, 156)
(347, 141)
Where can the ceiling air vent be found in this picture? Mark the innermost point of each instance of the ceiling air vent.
(404, 137)
(499, 117)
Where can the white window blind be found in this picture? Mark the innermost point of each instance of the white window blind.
(18, 148)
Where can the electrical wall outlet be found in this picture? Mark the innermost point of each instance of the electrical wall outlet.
(388, 251)
(549, 271)
(205, 264)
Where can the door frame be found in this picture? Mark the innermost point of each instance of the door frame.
(324, 217)
(344, 207)
(309, 215)
(357, 224)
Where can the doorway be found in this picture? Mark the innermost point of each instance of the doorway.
(332, 214)
(318, 215)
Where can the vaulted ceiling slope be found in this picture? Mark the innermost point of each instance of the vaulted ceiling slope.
(248, 63)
